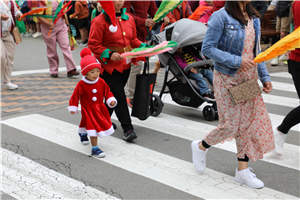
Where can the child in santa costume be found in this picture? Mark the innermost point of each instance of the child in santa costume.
(91, 91)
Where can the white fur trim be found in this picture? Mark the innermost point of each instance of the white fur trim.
(93, 133)
(88, 81)
(109, 100)
(113, 29)
(81, 130)
(73, 108)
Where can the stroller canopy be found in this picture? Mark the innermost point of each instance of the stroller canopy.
(185, 32)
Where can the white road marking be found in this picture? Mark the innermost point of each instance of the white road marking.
(165, 169)
(23, 178)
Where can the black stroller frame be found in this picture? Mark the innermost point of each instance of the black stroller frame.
(209, 112)
(184, 91)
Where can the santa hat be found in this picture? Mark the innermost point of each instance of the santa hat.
(109, 8)
(88, 62)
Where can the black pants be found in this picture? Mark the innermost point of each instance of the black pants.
(117, 81)
(293, 117)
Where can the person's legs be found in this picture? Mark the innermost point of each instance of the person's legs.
(7, 58)
(63, 42)
(116, 83)
(130, 86)
(244, 175)
(208, 74)
(198, 77)
(96, 152)
(52, 56)
(292, 118)
(85, 32)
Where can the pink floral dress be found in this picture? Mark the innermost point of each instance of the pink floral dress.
(247, 122)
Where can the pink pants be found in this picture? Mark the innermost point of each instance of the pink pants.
(58, 34)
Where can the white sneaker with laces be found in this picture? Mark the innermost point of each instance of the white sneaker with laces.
(27, 34)
(274, 61)
(249, 178)
(37, 34)
(283, 58)
(279, 141)
(199, 156)
(9, 86)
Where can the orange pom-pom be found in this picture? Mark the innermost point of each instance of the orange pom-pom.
(84, 52)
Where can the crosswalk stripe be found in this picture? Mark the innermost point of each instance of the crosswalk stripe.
(196, 130)
(165, 169)
(19, 173)
(276, 119)
(281, 86)
(268, 99)
(192, 130)
(281, 75)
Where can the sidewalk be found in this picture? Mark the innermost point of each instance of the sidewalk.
(40, 91)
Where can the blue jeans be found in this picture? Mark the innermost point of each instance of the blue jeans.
(200, 80)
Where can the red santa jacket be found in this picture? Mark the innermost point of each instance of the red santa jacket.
(100, 38)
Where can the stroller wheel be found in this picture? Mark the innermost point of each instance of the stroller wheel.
(209, 113)
(157, 105)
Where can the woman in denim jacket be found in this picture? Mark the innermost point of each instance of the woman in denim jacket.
(232, 41)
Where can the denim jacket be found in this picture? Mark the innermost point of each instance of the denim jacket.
(224, 43)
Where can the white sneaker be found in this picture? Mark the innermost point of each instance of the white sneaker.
(27, 34)
(279, 141)
(283, 58)
(199, 156)
(249, 178)
(37, 34)
(22, 34)
(274, 61)
(9, 86)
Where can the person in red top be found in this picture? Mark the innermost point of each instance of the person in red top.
(107, 47)
(217, 5)
(292, 118)
(90, 91)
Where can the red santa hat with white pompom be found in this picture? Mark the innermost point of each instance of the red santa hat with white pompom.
(109, 8)
(88, 62)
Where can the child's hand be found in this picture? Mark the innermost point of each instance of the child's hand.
(193, 70)
(72, 112)
(113, 103)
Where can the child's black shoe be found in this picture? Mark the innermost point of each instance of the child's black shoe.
(83, 138)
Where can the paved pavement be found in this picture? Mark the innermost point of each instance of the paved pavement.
(39, 90)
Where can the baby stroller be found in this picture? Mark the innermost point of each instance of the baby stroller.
(184, 91)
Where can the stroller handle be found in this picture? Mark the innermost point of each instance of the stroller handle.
(198, 64)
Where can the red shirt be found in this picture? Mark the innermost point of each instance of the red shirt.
(100, 38)
(295, 55)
